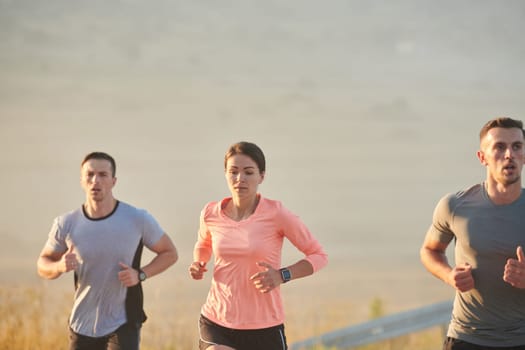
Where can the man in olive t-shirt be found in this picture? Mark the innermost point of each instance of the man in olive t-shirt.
(487, 224)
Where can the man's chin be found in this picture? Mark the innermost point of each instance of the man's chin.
(511, 181)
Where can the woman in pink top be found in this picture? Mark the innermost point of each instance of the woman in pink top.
(245, 233)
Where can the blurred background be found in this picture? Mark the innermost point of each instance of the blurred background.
(368, 112)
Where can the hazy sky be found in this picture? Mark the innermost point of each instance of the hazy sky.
(368, 112)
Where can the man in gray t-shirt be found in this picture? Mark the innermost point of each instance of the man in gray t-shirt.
(102, 243)
(487, 224)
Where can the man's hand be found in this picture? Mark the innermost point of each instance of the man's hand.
(514, 273)
(461, 278)
(128, 276)
(68, 261)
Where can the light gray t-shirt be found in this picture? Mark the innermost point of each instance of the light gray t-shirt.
(493, 313)
(100, 244)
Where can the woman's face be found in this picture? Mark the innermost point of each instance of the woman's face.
(243, 176)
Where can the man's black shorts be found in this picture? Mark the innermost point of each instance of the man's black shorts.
(456, 344)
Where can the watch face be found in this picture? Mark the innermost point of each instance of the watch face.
(142, 276)
(286, 275)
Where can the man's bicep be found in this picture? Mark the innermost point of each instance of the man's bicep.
(436, 244)
(50, 254)
(164, 244)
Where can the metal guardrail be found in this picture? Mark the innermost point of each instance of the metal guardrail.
(382, 328)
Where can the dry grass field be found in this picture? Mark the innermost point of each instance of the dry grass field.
(32, 319)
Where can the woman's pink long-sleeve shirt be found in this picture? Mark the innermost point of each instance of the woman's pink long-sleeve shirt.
(233, 301)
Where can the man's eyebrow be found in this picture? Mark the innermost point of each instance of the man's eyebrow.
(98, 171)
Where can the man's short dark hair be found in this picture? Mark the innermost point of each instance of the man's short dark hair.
(101, 155)
(501, 122)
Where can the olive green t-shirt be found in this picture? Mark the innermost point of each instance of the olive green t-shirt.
(486, 235)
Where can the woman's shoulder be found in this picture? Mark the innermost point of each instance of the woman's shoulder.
(214, 207)
(274, 207)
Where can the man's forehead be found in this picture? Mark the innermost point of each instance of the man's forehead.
(97, 164)
(504, 135)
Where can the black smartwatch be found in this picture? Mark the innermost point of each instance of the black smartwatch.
(286, 275)
(142, 276)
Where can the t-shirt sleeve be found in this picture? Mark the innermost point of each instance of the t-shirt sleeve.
(152, 232)
(301, 237)
(440, 229)
(56, 240)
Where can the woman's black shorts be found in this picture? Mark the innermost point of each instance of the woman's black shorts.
(271, 338)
